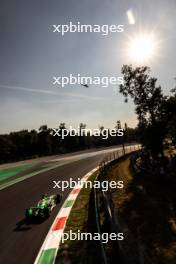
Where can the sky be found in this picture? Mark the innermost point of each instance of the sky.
(31, 54)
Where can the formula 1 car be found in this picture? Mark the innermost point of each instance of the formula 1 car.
(44, 207)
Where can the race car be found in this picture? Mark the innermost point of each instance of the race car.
(44, 207)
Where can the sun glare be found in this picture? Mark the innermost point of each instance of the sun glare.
(142, 48)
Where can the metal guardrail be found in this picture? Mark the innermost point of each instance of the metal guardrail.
(103, 253)
(103, 167)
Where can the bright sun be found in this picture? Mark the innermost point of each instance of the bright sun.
(141, 48)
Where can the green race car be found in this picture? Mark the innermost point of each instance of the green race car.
(44, 207)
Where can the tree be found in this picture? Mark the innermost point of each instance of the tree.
(118, 125)
(82, 137)
(26, 144)
(44, 140)
(170, 116)
(148, 100)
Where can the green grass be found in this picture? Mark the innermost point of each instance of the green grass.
(145, 208)
(7, 173)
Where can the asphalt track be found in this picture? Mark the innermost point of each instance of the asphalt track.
(20, 242)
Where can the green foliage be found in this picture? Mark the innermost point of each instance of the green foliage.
(26, 144)
(154, 110)
(170, 117)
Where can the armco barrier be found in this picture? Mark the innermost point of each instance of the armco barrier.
(103, 169)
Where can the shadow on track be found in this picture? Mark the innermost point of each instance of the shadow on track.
(25, 225)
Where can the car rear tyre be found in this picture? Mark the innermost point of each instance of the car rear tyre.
(58, 198)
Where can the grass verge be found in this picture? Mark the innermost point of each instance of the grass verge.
(8, 173)
(146, 207)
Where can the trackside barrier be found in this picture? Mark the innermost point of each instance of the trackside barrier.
(104, 259)
(103, 169)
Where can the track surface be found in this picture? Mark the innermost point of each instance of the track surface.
(19, 242)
